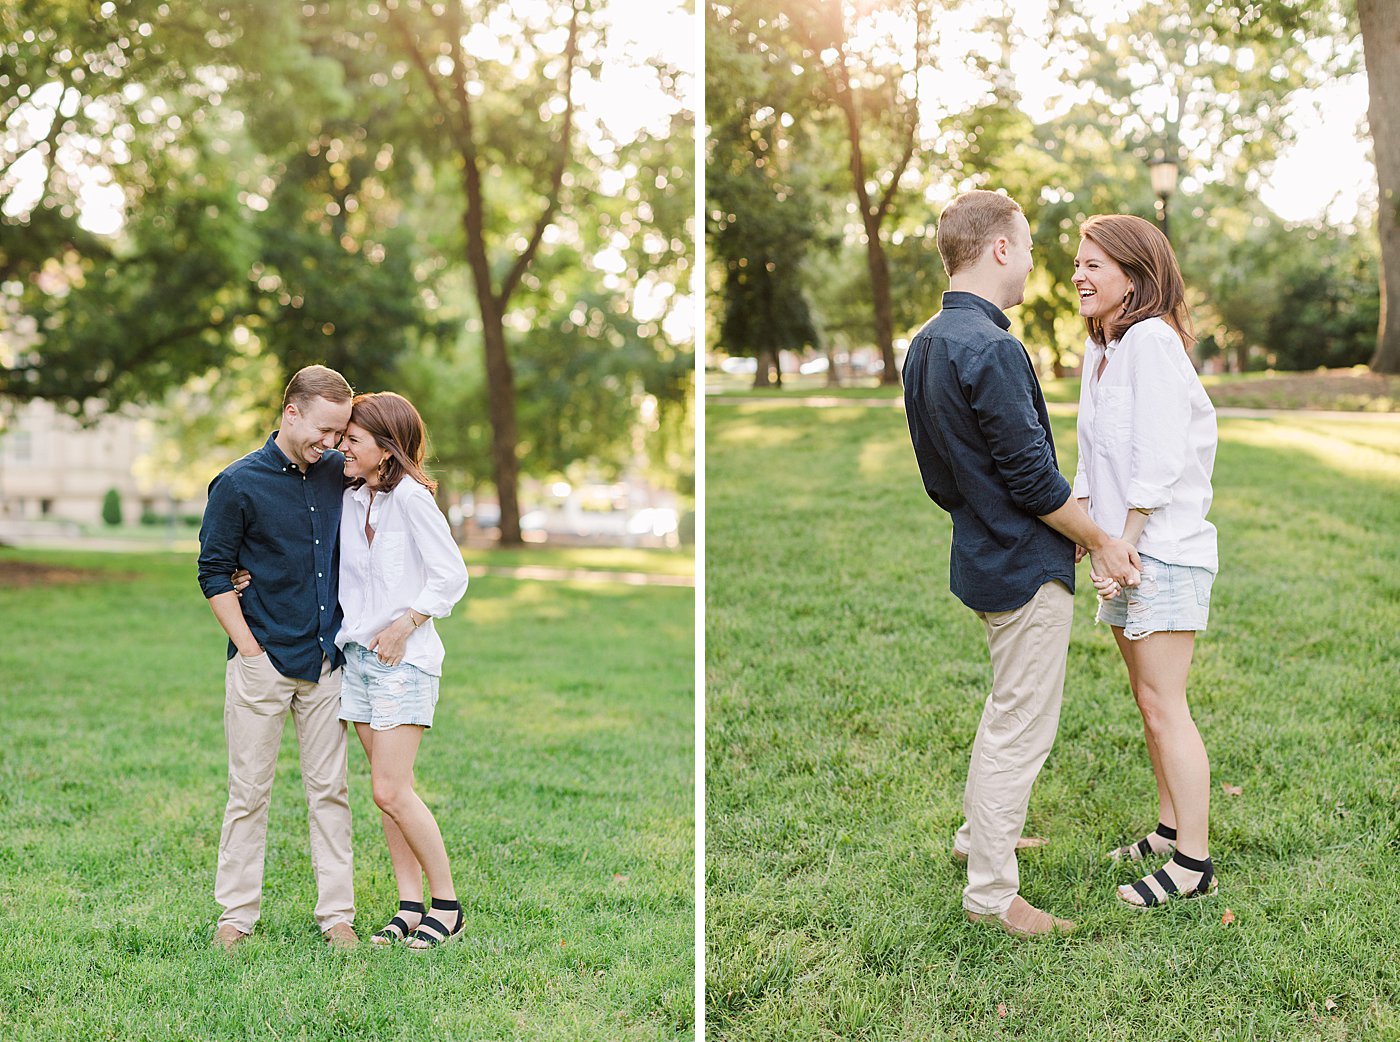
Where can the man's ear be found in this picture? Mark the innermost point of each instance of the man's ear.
(1001, 249)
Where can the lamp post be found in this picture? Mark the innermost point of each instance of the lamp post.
(1163, 171)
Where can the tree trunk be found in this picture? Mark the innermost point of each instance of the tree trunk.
(884, 308)
(500, 378)
(500, 390)
(760, 370)
(1380, 38)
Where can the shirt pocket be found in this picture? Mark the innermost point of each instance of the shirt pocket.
(387, 555)
(1113, 411)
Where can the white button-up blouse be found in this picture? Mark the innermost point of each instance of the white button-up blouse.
(1147, 439)
(413, 563)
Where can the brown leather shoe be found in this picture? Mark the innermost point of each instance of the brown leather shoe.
(228, 937)
(1024, 843)
(341, 937)
(1023, 919)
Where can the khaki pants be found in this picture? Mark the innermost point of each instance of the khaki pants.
(256, 702)
(1028, 646)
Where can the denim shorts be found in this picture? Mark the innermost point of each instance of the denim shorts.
(1169, 597)
(385, 696)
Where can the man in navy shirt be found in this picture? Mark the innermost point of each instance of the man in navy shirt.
(276, 512)
(982, 438)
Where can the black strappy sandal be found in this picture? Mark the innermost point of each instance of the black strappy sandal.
(441, 934)
(1205, 886)
(1143, 847)
(398, 930)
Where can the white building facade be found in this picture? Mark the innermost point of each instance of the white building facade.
(54, 469)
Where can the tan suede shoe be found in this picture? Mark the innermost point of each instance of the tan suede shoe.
(1024, 843)
(342, 937)
(229, 937)
(1023, 919)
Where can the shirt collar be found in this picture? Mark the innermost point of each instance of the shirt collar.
(963, 299)
(360, 493)
(279, 459)
(1093, 351)
(276, 456)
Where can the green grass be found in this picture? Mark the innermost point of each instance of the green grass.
(1331, 390)
(1341, 390)
(844, 687)
(560, 771)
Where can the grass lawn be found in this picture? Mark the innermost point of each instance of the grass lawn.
(560, 771)
(844, 687)
(1340, 390)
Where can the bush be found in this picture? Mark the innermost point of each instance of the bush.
(112, 507)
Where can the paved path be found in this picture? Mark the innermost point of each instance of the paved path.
(586, 575)
(1055, 408)
(527, 572)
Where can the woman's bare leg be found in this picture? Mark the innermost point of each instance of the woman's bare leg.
(1166, 813)
(1161, 663)
(415, 842)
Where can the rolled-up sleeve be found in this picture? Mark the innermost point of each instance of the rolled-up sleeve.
(1002, 397)
(445, 571)
(1081, 478)
(1161, 423)
(221, 536)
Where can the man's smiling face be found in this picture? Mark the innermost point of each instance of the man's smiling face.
(311, 428)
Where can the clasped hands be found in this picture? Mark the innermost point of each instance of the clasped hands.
(388, 644)
(1112, 567)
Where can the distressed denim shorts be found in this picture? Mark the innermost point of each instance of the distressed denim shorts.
(385, 696)
(1169, 597)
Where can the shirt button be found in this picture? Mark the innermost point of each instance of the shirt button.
(318, 542)
(323, 607)
(313, 510)
(319, 575)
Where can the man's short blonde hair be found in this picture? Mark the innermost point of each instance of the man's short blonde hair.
(316, 381)
(970, 223)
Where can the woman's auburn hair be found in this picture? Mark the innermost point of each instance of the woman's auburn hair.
(394, 424)
(1145, 255)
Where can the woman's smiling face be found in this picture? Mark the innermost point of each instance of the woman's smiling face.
(362, 455)
(1102, 285)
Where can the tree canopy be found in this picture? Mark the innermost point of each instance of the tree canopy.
(1209, 84)
(431, 197)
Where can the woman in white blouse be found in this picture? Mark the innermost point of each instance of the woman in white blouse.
(399, 570)
(1147, 442)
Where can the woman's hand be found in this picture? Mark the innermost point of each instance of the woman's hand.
(1079, 553)
(1106, 585)
(390, 642)
(241, 580)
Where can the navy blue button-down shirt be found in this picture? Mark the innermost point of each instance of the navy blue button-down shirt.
(982, 437)
(281, 521)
